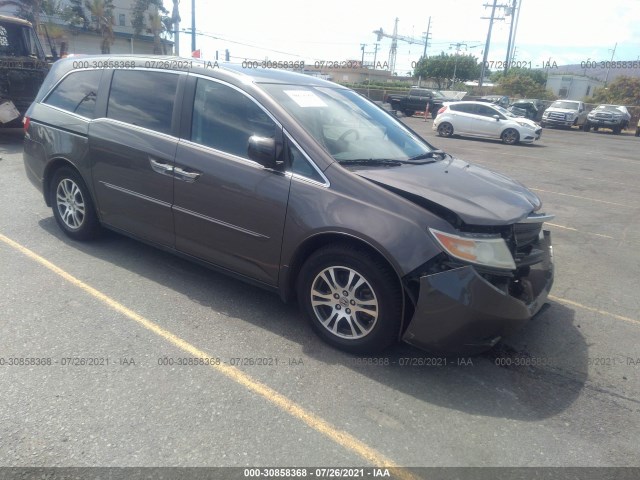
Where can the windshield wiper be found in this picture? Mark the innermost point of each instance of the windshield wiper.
(430, 154)
(383, 162)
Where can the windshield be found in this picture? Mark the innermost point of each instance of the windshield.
(437, 94)
(347, 125)
(567, 105)
(18, 41)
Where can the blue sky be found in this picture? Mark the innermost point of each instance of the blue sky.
(564, 31)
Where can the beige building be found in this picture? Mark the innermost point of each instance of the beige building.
(84, 41)
(573, 87)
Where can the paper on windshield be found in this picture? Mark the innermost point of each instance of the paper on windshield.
(305, 98)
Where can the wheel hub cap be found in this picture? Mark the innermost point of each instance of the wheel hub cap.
(344, 302)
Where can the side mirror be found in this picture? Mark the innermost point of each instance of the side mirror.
(497, 117)
(262, 150)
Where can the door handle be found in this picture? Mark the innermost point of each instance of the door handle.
(186, 176)
(160, 167)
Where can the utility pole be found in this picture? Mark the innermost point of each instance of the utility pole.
(455, 65)
(362, 46)
(424, 52)
(515, 33)
(606, 79)
(486, 46)
(193, 26)
(175, 14)
(375, 54)
(513, 20)
(426, 39)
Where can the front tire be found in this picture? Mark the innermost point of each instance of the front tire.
(352, 298)
(510, 136)
(408, 113)
(586, 127)
(445, 129)
(72, 205)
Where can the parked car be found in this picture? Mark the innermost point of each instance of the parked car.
(23, 67)
(417, 100)
(295, 184)
(501, 100)
(480, 119)
(614, 117)
(525, 108)
(564, 113)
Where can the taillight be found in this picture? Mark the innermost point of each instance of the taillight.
(443, 109)
(26, 121)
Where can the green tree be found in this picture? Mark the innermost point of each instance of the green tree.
(102, 21)
(75, 14)
(622, 91)
(159, 22)
(441, 68)
(523, 86)
(539, 76)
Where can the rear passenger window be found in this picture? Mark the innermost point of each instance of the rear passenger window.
(77, 93)
(143, 98)
(224, 119)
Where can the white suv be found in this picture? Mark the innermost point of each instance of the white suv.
(480, 119)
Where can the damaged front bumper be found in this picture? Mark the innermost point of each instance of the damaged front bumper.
(459, 311)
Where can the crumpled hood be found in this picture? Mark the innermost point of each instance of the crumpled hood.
(477, 195)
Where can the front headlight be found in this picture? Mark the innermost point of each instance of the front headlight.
(487, 251)
(526, 125)
(569, 115)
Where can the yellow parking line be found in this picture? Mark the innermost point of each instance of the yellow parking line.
(596, 310)
(579, 231)
(317, 423)
(583, 198)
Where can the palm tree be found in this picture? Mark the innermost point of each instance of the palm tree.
(159, 22)
(102, 21)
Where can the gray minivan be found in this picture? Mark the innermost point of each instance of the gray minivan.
(297, 185)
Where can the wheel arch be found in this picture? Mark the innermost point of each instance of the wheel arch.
(49, 171)
(289, 274)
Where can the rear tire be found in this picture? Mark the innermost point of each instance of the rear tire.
(351, 298)
(445, 129)
(586, 127)
(408, 113)
(72, 205)
(616, 130)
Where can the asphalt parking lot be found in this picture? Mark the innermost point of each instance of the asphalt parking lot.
(574, 402)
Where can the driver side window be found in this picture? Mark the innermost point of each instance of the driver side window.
(224, 119)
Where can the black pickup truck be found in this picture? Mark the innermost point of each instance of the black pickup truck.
(23, 67)
(417, 100)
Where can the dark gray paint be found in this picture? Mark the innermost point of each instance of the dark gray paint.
(253, 221)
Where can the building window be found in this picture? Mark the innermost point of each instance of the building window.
(122, 19)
